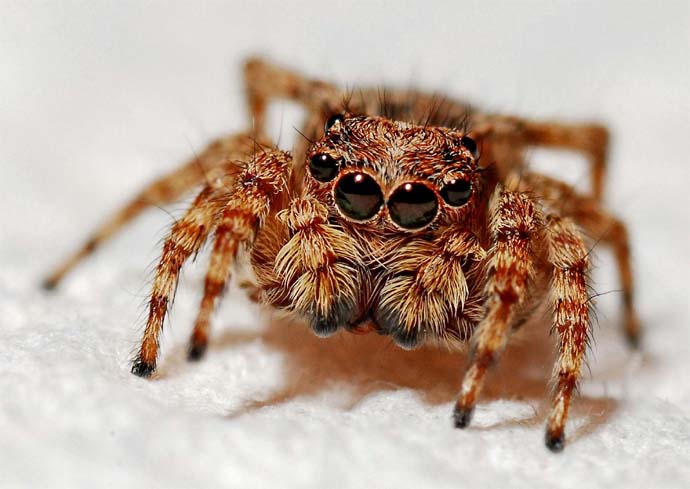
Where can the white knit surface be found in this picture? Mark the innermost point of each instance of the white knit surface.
(97, 99)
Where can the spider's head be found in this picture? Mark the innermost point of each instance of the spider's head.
(375, 171)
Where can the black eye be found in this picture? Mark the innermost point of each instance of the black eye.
(358, 196)
(333, 120)
(471, 145)
(323, 167)
(413, 205)
(456, 192)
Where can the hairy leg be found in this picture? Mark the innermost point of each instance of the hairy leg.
(231, 231)
(206, 167)
(602, 227)
(515, 226)
(265, 81)
(589, 139)
(239, 207)
(568, 255)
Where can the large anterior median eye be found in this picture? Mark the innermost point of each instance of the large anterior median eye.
(323, 167)
(358, 196)
(413, 205)
(456, 192)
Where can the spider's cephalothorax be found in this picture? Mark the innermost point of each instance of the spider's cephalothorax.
(383, 219)
(383, 192)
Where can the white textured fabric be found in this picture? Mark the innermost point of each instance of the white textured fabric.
(97, 99)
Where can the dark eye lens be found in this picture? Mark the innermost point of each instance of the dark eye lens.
(456, 192)
(323, 167)
(358, 196)
(413, 205)
(333, 120)
(471, 145)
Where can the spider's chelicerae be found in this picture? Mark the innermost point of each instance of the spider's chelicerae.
(384, 218)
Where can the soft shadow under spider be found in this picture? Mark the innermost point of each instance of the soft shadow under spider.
(366, 364)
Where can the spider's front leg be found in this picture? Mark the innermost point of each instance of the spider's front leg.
(568, 256)
(515, 225)
(234, 212)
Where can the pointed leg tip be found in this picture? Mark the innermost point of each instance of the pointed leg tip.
(196, 351)
(49, 284)
(634, 341)
(143, 369)
(555, 443)
(462, 417)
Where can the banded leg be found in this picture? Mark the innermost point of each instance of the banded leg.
(240, 208)
(601, 226)
(592, 140)
(236, 227)
(568, 255)
(211, 163)
(265, 81)
(515, 225)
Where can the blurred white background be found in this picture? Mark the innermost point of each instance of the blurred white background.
(97, 98)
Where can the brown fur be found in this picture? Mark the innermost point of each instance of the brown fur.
(474, 272)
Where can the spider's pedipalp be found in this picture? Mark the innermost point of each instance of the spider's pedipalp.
(426, 286)
(320, 269)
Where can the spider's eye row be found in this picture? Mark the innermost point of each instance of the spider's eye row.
(333, 120)
(323, 167)
(456, 192)
(413, 205)
(358, 196)
(471, 146)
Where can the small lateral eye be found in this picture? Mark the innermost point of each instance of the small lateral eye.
(471, 145)
(456, 192)
(333, 120)
(323, 167)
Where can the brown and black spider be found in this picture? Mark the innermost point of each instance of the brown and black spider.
(383, 219)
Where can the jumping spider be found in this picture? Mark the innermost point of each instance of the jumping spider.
(383, 219)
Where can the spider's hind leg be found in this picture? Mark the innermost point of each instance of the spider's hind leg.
(207, 166)
(592, 140)
(265, 81)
